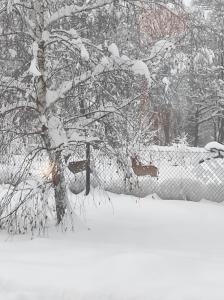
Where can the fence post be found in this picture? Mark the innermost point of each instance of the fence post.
(87, 168)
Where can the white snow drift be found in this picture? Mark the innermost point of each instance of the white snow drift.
(134, 249)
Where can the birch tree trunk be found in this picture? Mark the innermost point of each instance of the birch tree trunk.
(58, 177)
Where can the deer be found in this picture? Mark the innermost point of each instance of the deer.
(77, 166)
(143, 170)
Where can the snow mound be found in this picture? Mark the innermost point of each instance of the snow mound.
(140, 68)
(214, 146)
(113, 49)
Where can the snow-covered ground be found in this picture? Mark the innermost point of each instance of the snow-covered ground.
(126, 248)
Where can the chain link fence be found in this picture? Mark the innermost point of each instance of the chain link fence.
(184, 173)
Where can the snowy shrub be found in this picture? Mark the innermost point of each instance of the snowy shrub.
(25, 209)
(30, 209)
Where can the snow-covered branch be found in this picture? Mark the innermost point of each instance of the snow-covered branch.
(69, 10)
(18, 106)
(65, 87)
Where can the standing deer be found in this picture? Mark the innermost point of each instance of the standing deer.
(77, 166)
(143, 170)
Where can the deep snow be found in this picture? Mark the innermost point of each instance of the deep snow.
(143, 249)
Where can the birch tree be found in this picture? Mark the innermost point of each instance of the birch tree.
(62, 78)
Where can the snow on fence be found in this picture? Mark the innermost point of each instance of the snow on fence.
(184, 173)
(188, 174)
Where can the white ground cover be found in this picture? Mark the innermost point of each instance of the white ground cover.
(143, 249)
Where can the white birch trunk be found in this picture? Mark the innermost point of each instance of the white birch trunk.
(58, 178)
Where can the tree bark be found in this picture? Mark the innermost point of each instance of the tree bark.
(87, 168)
(60, 191)
(166, 119)
(196, 129)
